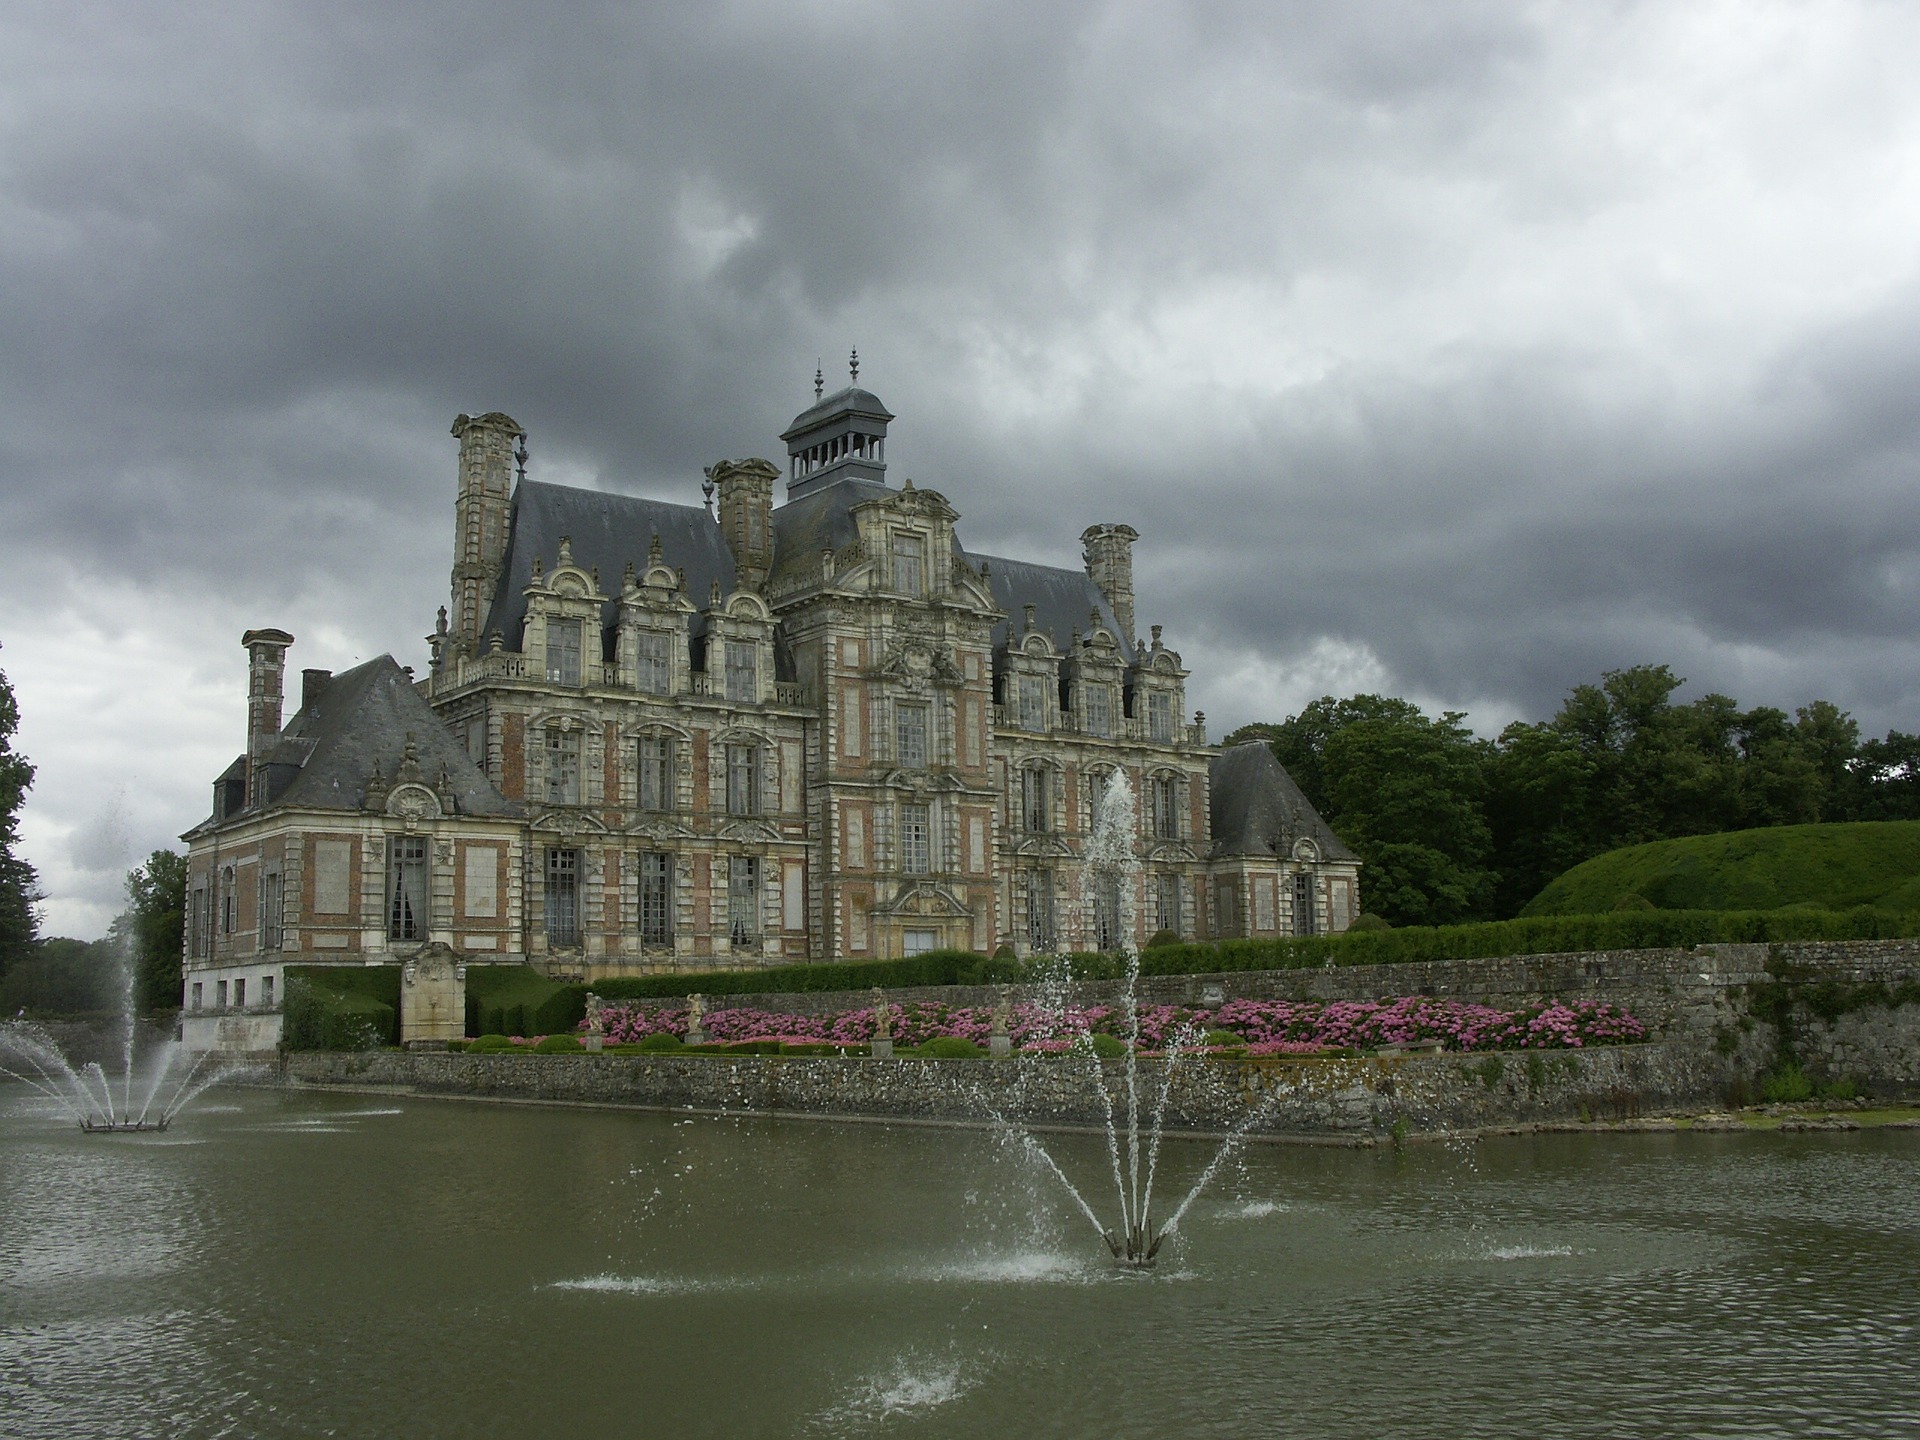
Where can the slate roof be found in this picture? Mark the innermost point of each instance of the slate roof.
(607, 531)
(361, 718)
(1063, 601)
(821, 520)
(1258, 810)
(850, 401)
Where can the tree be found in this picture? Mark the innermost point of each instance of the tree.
(19, 885)
(1405, 791)
(152, 926)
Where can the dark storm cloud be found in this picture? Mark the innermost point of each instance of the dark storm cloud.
(1469, 349)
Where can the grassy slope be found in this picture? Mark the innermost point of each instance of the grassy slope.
(1838, 866)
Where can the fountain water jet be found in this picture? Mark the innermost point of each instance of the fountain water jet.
(88, 1095)
(1112, 875)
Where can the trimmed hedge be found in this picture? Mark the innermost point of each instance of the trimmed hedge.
(341, 1007)
(1834, 866)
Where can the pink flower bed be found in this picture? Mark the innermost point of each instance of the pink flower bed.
(1266, 1027)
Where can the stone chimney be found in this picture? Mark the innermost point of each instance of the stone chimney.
(1109, 559)
(745, 494)
(313, 684)
(266, 667)
(480, 514)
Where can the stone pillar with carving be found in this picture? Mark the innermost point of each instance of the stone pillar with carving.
(433, 998)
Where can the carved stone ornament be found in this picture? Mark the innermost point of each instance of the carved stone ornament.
(413, 802)
(436, 963)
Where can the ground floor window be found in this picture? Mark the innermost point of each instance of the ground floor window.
(743, 899)
(266, 989)
(1040, 928)
(240, 993)
(919, 942)
(1106, 913)
(272, 911)
(196, 994)
(563, 897)
(656, 898)
(407, 888)
(1303, 904)
(1166, 903)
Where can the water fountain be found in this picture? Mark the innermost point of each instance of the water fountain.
(144, 1097)
(1112, 874)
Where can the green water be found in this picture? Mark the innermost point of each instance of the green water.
(301, 1265)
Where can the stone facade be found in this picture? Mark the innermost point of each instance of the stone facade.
(743, 733)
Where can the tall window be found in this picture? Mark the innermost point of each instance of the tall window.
(272, 917)
(743, 672)
(915, 827)
(197, 923)
(407, 888)
(910, 732)
(226, 901)
(743, 779)
(1033, 703)
(563, 897)
(1303, 903)
(1166, 903)
(563, 652)
(1040, 910)
(1036, 804)
(563, 766)
(1106, 913)
(1166, 807)
(743, 899)
(1099, 706)
(1160, 716)
(910, 564)
(653, 660)
(656, 898)
(656, 772)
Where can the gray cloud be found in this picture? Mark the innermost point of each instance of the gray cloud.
(1463, 350)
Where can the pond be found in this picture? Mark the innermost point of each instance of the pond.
(297, 1264)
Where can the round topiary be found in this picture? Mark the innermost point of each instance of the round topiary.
(1633, 900)
(656, 1044)
(1367, 920)
(1108, 1047)
(559, 1045)
(1162, 937)
(948, 1047)
(1005, 952)
(1215, 1039)
(490, 1045)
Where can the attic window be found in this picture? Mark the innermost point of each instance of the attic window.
(910, 564)
(1160, 717)
(563, 652)
(743, 672)
(1098, 701)
(652, 658)
(1033, 703)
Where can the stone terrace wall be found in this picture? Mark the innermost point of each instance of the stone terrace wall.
(1678, 993)
(1355, 1099)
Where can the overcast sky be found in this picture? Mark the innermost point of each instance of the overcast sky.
(1458, 351)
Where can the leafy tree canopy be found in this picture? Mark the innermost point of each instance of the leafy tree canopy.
(19, 885)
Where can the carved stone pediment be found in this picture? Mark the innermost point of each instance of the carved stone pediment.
(924, 901)
(657, 827)
(1043, 845)
(1169, 852)
(413, 802)
(748, 832)
(568, 823)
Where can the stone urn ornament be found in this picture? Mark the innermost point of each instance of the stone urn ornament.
(882, 1025)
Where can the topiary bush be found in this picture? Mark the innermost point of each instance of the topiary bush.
(1112, 1047)
(559, 1045)
(660, 1044)
(1162, 937)
(319, 1017)
(1367, 920)
(947, 1047)
(491, 1045)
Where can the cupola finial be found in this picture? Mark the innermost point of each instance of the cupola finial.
(853, 366)
(819, 380)
(520, 455)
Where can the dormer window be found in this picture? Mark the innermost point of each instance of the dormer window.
(653, 662)
(1160, 717)
(1033, 703)
(743, 672)
(563, 652)
(1099, 707)
(910, 564)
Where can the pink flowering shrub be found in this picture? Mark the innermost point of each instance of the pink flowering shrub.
(1266, 1027)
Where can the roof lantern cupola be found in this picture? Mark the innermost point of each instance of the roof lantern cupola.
(842, 437)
